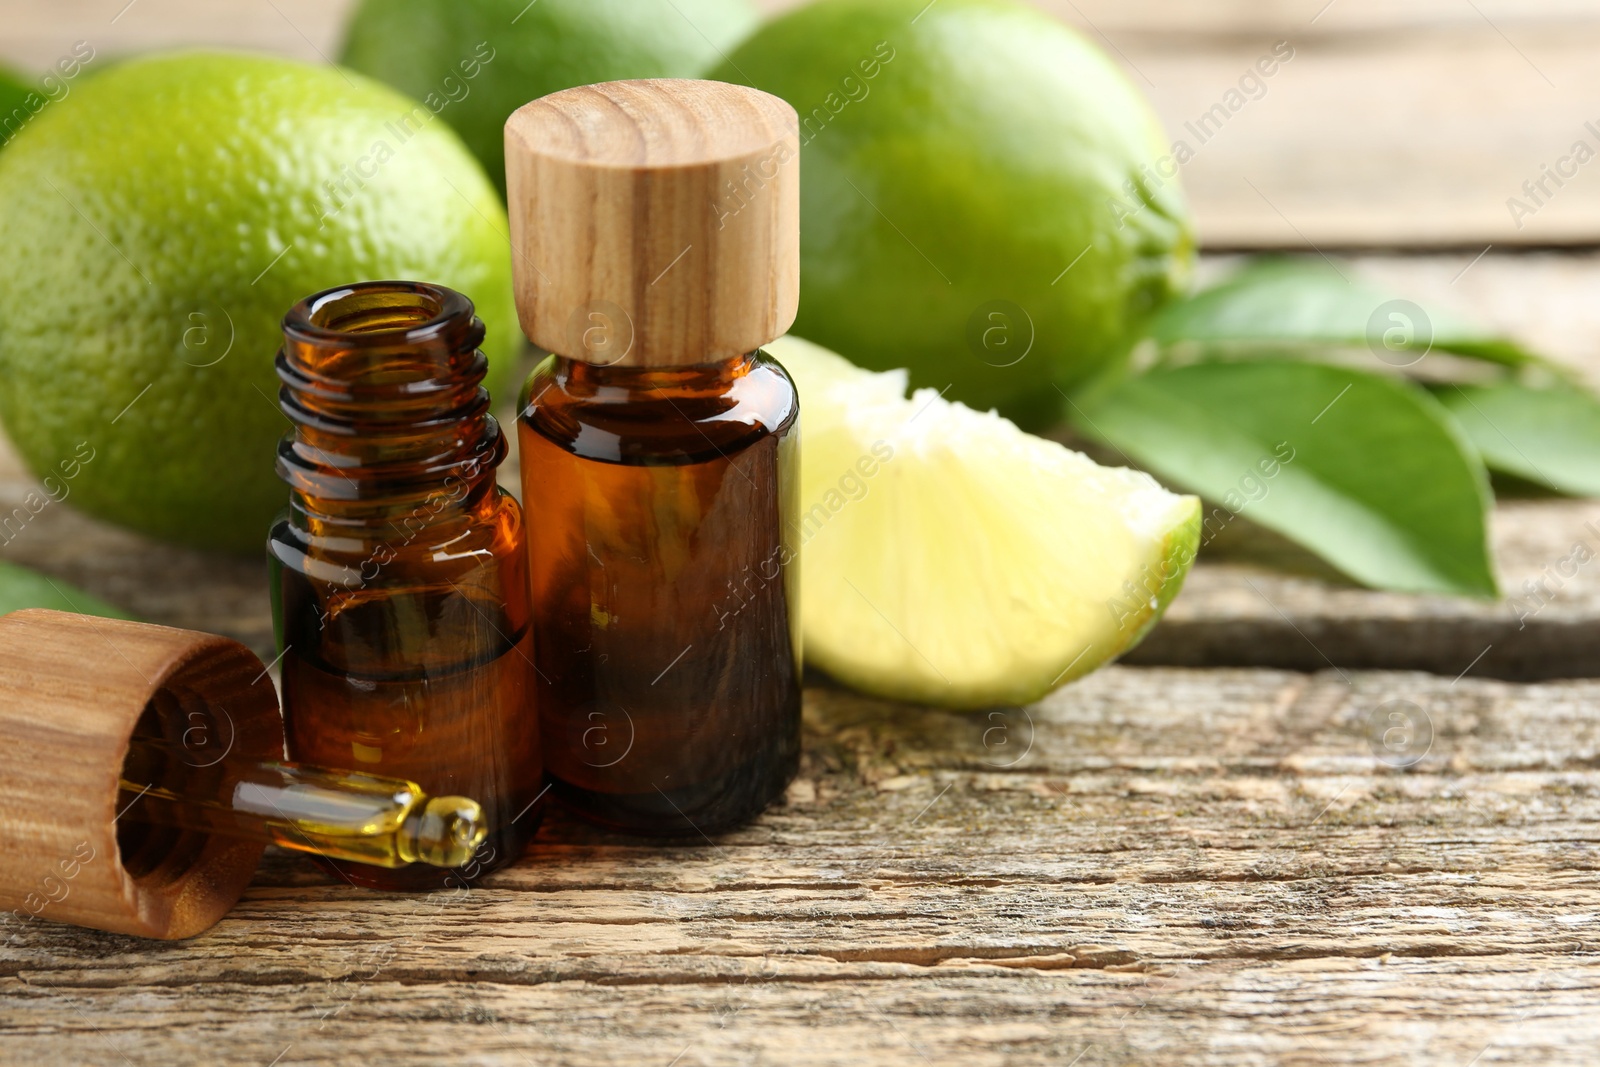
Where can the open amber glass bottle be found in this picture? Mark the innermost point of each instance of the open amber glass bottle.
(399, 568)
(659, 224)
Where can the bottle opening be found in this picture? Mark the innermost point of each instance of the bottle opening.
(395, 345)
(385, 312)
(371, 339)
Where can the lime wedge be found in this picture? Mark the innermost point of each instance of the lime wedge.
(949, 558)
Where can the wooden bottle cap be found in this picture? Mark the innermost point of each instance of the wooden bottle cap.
(72, 691)
(655, 223)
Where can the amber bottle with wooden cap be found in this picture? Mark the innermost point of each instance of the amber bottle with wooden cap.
(141, 775)
(656, 228)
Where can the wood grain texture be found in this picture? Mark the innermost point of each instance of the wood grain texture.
(656, 223)
(1153, 866)
(1395, 124)
(1262, 601)
(72, 692)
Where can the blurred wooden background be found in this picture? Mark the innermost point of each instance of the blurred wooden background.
(1396, 124)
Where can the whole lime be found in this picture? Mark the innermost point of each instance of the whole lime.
(986, 199)
(158, 224)
(480, 60)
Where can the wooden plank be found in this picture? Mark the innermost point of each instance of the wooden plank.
(1309, 18)
(1393, 126)
(1392, 142)
(308, 29)
(1237, 609)
(36, 35)
(156, 582)
(1161, 866)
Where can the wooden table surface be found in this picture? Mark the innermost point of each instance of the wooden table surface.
(1200, 859)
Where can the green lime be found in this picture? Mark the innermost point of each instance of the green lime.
(949, 558)
(477, 61)
(14, 110)
(986, 199)
(159, 223)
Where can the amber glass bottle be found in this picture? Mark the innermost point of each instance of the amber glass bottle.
(665, 580)
(658, 446)
(399, 568)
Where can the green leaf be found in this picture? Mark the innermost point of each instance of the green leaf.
(1366, 470)
(1311, 303)
(21, 588)
(1550, 436)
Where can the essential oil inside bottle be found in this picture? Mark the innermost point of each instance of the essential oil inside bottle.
(665, 576)
(399, 568)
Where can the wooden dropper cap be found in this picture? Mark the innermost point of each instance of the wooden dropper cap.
(655, 223)
(73, 689)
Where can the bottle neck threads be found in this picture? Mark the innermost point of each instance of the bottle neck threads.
(383, 382)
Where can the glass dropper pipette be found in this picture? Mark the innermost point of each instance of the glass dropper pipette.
(343, 815)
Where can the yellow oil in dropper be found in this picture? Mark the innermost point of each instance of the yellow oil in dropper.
(343, 815)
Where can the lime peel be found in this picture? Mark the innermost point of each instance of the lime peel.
(950, 558)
